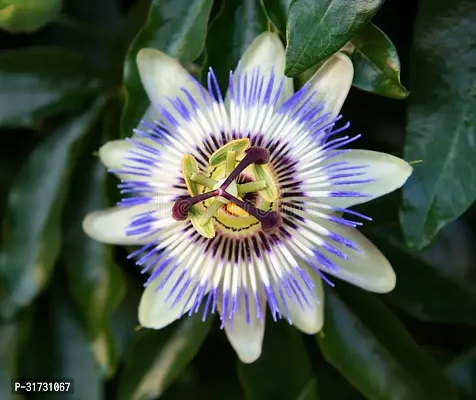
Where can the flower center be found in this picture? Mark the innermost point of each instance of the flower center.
(221, 198)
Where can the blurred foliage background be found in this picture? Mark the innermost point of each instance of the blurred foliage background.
(68, 305)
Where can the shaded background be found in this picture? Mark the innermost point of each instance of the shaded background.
(68, 306)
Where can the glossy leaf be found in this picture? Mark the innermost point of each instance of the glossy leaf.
(32, 228)
(277, 12)
(105, 14)
(280, 372)
(423, 276)
(317, 29)
(9, 356)
(95, 281)
(367, 344)
(26, 15)
(333, 385)
(376, 63)
(124, 319)
(131, 25)
(441, 120)
(58, 348)
(12, 341)
(158, 357)
(462, 371)
(38, 82)
(231, 33)
(176, 27)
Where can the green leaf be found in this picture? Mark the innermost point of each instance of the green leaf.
(277, 12)
(124, 318)
(283, 370)
(27, 16)
(95, 281)
(176, 27)
(376, 63)
(8, 355)
(317, 29)
(333, 385)
(105, 13)
(32, 228)
(132, 23)
(462, 372)
(58, 347)
(158, 357)
(367, 344)
(9, 349)
(39, 82)
(423, 276)
(441, 120)
(231, 33)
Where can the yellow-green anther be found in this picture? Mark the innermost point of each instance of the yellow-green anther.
(210, 212)
(238, 146)
(230, 163)
(251, 187)
(190, 167)
(270, 193)
(203, 180)
(206, 229)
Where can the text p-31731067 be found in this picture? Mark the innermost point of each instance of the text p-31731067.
(50, 386)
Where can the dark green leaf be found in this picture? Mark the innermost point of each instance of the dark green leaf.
(317, 29)
(176, 27)
(158, 357)
(9, 356)
(105, 13)
(283, 370)
(32, 231)
(27, 16)
(58, 347)
(376, 63)
(463, 373)
(231, 32)
(441, 119)
(371, 348)
(423, 276)
(38, 82)
(124, 319)
(133, 22)
(277, 12)
(12, 340)
(95, 281)
(333, 386)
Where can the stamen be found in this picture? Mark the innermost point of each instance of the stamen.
(210, 212)
(203, 180)
(182, 206)
(254, 155)
(230, 162)
(270, 220)
(251, 186)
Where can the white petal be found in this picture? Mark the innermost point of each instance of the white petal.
(387, 172)
(309, 319)
(368, 269)
(163, 77)
(113, 156)
(150, 115)
(332, 82)
(154, 310)
(246, 339)
(109, 226)
(112, 153)
(267, 52)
